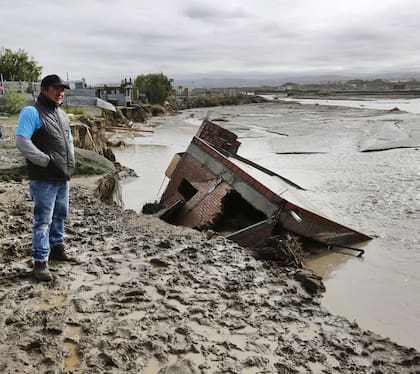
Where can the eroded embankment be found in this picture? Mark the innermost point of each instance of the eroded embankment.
(147, 295)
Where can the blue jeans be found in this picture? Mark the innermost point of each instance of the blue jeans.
(51, 205)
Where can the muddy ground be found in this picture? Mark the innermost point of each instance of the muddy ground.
(148, 297)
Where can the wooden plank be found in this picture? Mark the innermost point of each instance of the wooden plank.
(116, 128)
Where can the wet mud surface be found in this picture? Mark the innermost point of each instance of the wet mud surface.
(148, 297)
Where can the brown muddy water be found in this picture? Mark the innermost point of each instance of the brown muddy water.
(319, 147)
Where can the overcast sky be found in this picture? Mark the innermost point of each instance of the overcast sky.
(106, 40)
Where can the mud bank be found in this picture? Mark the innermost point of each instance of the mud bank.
(149, 298)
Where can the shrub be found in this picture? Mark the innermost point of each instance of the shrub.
(158, 110)
(15, 101)
(73, 110)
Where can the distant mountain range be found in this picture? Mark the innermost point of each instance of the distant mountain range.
(278, 80)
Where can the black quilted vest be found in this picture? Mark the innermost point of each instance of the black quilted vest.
(52, 138)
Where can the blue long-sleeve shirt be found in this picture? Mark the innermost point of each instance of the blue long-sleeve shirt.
(29, 121)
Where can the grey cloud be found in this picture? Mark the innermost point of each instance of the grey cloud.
(212, 13)
(362, 35)
(97, 39)
(123, 35)
(278, 31)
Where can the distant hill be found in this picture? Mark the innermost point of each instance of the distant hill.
(277, 80)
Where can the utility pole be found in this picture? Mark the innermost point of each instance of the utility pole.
(1, 83)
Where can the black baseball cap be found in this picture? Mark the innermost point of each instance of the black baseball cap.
(53, 80)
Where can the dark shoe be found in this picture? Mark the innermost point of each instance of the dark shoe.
(41, 271)
(57, 253)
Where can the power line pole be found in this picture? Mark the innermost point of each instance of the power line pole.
(1, 83)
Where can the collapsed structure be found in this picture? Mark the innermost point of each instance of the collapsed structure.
(212, 187)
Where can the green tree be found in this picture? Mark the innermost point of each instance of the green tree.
(155, 86)
(19, 66)
(15, 101)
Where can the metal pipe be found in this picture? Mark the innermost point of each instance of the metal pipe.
(360, 254)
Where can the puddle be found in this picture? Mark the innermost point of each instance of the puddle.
(57, 301)
(73, 330)
(72, 336)
(73, 358)
(72, 333)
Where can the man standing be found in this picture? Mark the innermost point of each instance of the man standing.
(43, 136)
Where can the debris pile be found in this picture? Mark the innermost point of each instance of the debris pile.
(284, 248)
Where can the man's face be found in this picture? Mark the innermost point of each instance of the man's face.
(55, 93)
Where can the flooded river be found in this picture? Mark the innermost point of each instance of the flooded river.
(408, 105)
(318, 147)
